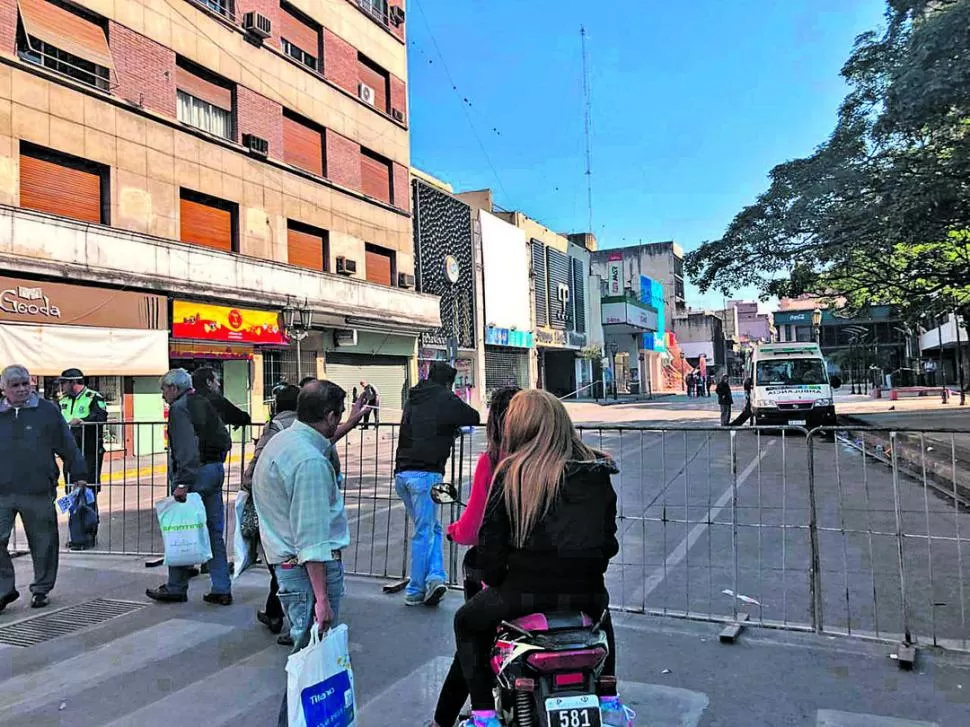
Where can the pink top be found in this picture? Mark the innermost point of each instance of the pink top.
(464, 531)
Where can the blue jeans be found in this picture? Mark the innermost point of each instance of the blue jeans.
(208, 485)
(427, 559)
(296, 595)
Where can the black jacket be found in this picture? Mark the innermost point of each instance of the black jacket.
(214, 440)
(569, 550)
(724, 393)
(432, 417)
(227, 411)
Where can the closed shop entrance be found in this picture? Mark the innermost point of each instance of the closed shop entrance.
(388, 374)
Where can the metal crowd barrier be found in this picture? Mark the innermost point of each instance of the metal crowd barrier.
(857, 531)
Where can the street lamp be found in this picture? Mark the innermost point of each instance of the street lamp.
(297, 321)
(817, 326)
(683, 370)
(614, 349)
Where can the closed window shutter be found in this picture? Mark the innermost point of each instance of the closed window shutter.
(539, 280)
(302, 146)
(60, 190)
(65, 31)
(196, 86)
(205, 225)
(378, 267)
(377, 81)
(375, 177)
(579, 294)
(300, 34)
(305, 250)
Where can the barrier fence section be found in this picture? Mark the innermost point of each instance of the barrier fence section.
(855, 531)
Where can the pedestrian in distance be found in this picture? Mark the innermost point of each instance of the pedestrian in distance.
(85, 411)
(464, 531)
(32, 432)
(724, 399)
(710, 383)
(433, 416)
(372, 400)
(302, 522)
(206, 384)
(197, 445)
(691, 382)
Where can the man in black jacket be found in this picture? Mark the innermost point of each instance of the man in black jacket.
(725, 399)
(432, 417)
(206, 383)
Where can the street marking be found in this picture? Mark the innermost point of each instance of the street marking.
(833, 718)
(680, 552)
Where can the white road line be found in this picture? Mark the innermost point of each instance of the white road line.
(833, 718)
(680, 552)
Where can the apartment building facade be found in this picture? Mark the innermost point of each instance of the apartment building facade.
(222, 161)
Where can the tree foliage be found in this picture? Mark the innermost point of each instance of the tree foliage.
(880, 212)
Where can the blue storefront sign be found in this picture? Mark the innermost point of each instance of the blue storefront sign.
(506, 337)
(652, 293)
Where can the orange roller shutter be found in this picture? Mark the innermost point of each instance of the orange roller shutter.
(375, 80)
(202, 224)
(202, 89)
(302, 146)
(378, 267)
(305, 250)
(65, 31)
(299, 33)
(60, 190)
(375, 177)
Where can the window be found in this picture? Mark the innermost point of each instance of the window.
(299, 38)
(375, 176)
(203, 103)
(303, 145)
(63, 185)
(272, 372)
(308, 247)
(375, 78)
(793, 372)
(208, 221)
(380, 265)
(66, 40)
(377, 8)
(223, 7)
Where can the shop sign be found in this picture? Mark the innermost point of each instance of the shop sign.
(562, 296)
(495, 336)
(577, 340)
(546, 337)
(204, 322)
(31, 301)
(615, 273)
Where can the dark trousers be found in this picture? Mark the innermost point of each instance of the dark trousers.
(40, 524)
(477, 620)
(743, 416)
(454, 690)
(274, 609)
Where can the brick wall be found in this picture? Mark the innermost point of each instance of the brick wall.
(399, 96)
(340, 61)
(267, 8)
(8, 26)
(262, 117)
(401, 183)
(343, 160)
(146, 70)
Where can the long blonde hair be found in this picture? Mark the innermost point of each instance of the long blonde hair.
(539, 440)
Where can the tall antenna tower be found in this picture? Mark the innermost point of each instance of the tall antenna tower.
(587, 123)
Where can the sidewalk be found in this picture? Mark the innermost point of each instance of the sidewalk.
(164, 665)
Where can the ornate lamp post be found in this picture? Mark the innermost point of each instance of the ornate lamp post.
(297, 320)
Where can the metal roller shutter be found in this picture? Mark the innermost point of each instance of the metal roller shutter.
(506, 367)
(389, 374)
(377, 80)
(304, 37)
(61, 190)
(302, 146)
(375, 176)
(205, 225)
(306, 249)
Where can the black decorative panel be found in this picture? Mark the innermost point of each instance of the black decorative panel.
(539, 280)
(442, 227)
(560, 290)
(579, 295)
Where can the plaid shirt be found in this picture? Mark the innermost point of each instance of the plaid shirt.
(300, 507)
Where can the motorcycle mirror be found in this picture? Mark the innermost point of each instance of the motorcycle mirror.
(444, 493)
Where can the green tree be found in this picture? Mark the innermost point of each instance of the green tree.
(880, 212)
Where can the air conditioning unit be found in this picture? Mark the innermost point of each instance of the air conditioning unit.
(398, 115)
(345, 337)
(255, 144)
(257, 24)
(405, 280)
(366, 93)
(345, 266)
(397, 15)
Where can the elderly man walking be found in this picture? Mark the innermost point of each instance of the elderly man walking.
(197, 444)
(32, 431)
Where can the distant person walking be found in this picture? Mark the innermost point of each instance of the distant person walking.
(725, 400)
(710, 383)
(372, 401)
(691, 384)
(746, 412)
(432, 417)
(32, 431)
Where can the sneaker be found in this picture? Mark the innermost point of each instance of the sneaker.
(436, 591)
(39, 600)
(478, 720)
(615, 713)
(413, 599)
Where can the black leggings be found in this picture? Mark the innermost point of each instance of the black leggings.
(477, 621)
(454, 690)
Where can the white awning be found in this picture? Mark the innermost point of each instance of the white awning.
(48, 350)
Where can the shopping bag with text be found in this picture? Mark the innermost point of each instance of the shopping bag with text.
(184, 532)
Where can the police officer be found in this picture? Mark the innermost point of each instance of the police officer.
(79, 405)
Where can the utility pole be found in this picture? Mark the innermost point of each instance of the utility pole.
(587, 130)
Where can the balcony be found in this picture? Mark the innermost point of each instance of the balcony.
(41, 244)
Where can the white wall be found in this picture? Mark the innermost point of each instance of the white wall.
(506, 261)
(694, 350)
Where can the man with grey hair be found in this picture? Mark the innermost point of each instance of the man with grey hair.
(197, 445)
(32, 431)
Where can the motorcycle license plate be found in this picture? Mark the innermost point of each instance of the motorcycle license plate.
(581, 711)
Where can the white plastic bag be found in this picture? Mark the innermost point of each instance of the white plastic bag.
(320, 682)
(242, 549)
(184, 532)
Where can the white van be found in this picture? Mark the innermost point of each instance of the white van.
(790, 385)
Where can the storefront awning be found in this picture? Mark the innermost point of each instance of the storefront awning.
(623, 315)
(48, 350)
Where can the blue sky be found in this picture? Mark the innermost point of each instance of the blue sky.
(693, 103)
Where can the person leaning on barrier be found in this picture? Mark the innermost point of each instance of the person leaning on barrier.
(206, 384)
(32, 431)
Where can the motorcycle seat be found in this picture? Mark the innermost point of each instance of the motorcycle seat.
(553, 621)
